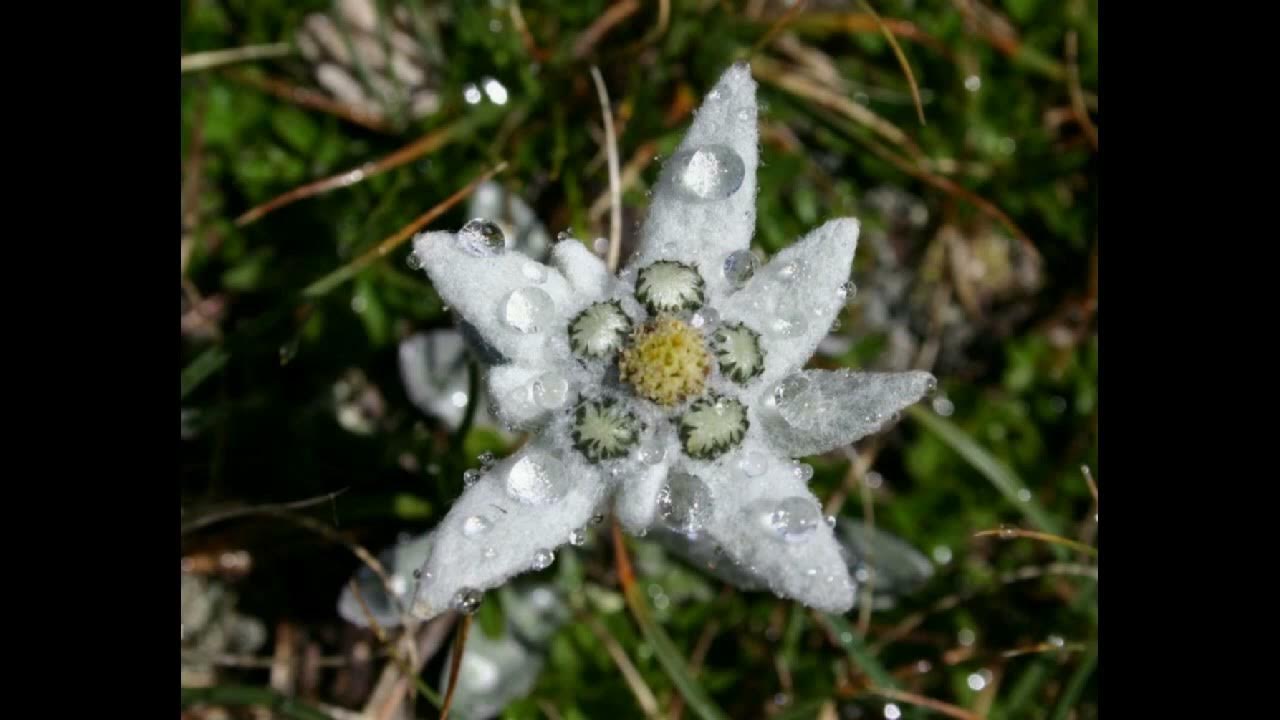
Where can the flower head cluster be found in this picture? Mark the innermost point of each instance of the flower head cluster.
(672, 393)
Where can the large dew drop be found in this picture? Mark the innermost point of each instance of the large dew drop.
(800, 401)
(482, 238)
(739, 267)
(542, 559)
(527, 309)
(795, 518)
(550, 391)
(708, 173)
(537, 479)
(476, 525)
(684, 503)
(466, 600)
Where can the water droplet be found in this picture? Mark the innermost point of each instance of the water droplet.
(847, 291)
(413, 261)
(713, 95)
(476, 525)
(744, 114)
(564, 235)
(652, 452)
(1008, 531)
(600, 245)
(704, 318)
(966, 637)
(753, 464)
(1057, 641)
(471, 93)
(831, 521)
(482, 238)
(795, 519)
(739, 267)
(892, 711)
(537, 479)
(861, 574)
(975, 681)
(1024, 495)
(874, 480)
(972, 83)
(597, 519)
(417, 574)
(528, 309)
(708, 173)
(535, 272)
(578, 537)
(943, 406)
(466, 600)
(789, 270)
(684, 503)
(550, 391)
(942, 554)
(542, 559)
(803, 472)
(490, 553)
(470, 477)
(846, 637)
(923, 666)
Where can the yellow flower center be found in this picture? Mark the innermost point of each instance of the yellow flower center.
(667, 361)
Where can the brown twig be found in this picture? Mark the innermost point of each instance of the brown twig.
(312, 99)
(776, 27)
(384, 248)
(1010, 533)
(1077, 93)
(601, 25)
(937, 705)
(902, 58)
(428, 143)
(455, 665)
(615, 191)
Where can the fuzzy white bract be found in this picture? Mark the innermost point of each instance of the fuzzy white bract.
(672, 394)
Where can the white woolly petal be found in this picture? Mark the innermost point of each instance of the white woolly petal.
(636, 501)
(494, 532)
(794, 553)
(400, 561)
(479, 289)
(814, 411)
(585, 271)
(433, 368)
(792, 301)
(703, 230)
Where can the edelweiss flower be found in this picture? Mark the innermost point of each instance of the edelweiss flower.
(672, 393)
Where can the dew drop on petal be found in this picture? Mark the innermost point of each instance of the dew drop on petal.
(600, 245)
(578, 537)
(542, 559)
(470, 477)
(753, 464)
(831, 521)
(482, 238)
(550, 391)
(803, 472)
(739, 267)
(413, 261)
(684, 503)
(652, 453)
(486, 459)
(788, 323)
(528, 309)
(490, 553)
(704, 318)
(708, 173)
(537, 479)
(476, 525)
(795, 518)
(466, 600)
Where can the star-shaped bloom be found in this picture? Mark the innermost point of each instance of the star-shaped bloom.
(673, 393)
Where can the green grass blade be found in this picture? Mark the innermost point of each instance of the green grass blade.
(984, 462)
(857, 651)
(237, 695)
(1076, 684)
(673, 662)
